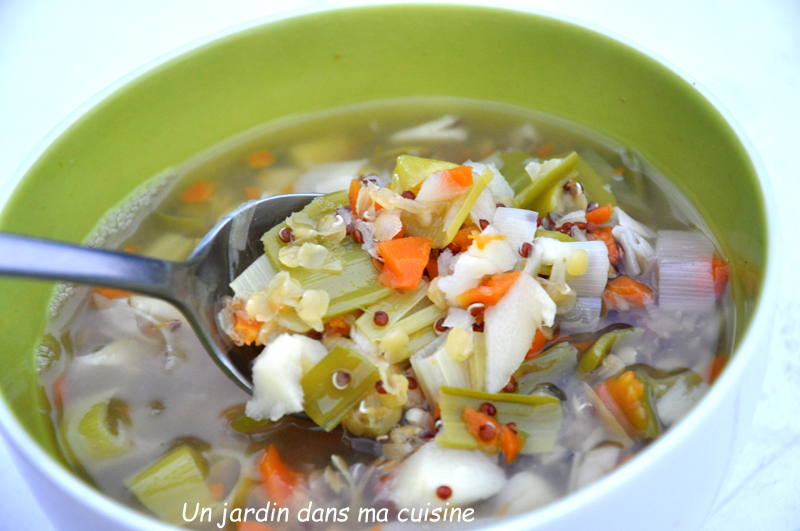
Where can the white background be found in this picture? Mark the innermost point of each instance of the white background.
(56, 55)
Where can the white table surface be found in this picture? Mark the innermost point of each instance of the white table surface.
(56, 55)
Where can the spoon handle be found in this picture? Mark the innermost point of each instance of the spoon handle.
(27, 257)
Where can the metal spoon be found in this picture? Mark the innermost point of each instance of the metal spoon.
(195, 286)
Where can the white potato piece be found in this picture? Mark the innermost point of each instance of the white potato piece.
(471, 475)
(276, 376)
(509, 327)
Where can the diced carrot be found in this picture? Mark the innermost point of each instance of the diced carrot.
(58, 392)
(490, 291)
(260, 159)
(717, 364)
(279, 480)
(112, 293)
(131, 249)
(252, 192)
(376, 527)
(252, 525)
(545, 150)
(355, 188)
(483, 427)
(600, 215)
(462, 239)
(510, 443)
(404, 261)
(198, 192)
(482, 240)
(459, 177)
(604, 234)
(627, 391)
(216, 490)
(623, 291)
(537, 345)
(246, 329)
(720, 270)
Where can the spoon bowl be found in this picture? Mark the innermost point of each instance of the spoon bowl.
(195, 286)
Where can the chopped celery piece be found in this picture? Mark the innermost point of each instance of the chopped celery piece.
(354, 287)
(177, 478)
(324, 401)
(411, 171)
(593, 184)
(453, 225)
(513, 169)
(257, 276)
(527, 198)
(595, 355)
(538, 418)
(477, 363)
(550, 366)
(437, 368)
(396, 306)
(560, 236)
(661, 381)
(98, 428)
(317, 208)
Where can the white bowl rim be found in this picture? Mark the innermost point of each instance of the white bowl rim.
(83, 493)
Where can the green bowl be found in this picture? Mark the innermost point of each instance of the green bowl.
(327, 58)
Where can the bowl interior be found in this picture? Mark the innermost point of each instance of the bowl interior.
(344, 56)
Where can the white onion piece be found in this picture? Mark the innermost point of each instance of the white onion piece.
(626, 221)
(637, 255)
(583, 317)
(326, 178)
(685, 279)
(498, 185)
(256, 277)
(517, 224)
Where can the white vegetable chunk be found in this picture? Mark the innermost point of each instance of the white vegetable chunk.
(471, 475)
(499, 186)
(327, 178)
(678, 400)
(509, 327)
(276, 376)
(594, 464)
(524, 492)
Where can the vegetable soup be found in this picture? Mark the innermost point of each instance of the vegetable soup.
(485, 309)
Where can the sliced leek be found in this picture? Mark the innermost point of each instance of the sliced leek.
(550, 366)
